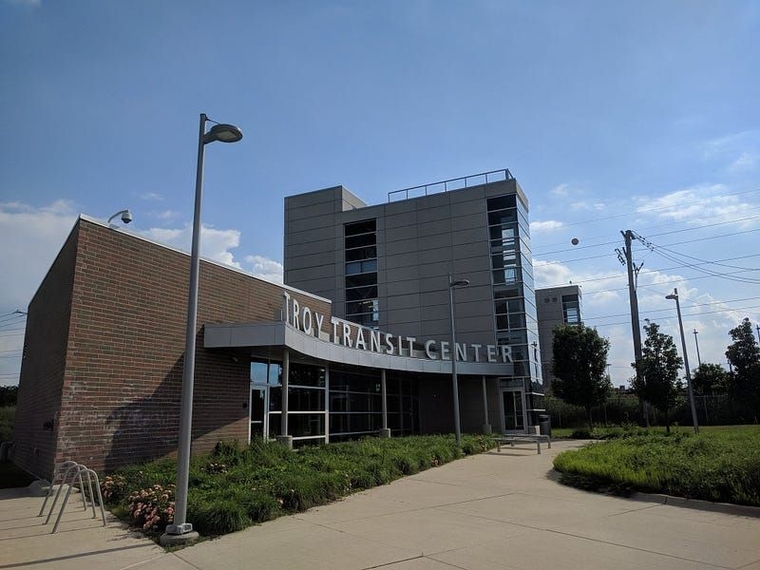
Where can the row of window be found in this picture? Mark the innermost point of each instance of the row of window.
(362, 305)
(355, 400)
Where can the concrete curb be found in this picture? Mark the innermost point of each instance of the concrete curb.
(726, 508)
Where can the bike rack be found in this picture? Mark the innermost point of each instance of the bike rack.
(73, 471)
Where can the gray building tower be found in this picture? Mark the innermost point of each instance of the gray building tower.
(387, 267)
(556, 306)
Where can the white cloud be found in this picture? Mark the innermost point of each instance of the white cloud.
(151, 196)
(737, 152)
(265, 268)
(31, 239)
(545, 226)
(165, 215)
(605, 305)
(215, 244)
(561, 190)
(696, 204)
(747, 161)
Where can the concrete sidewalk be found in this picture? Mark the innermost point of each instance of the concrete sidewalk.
(492, 511)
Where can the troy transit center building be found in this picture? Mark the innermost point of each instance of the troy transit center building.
(357, 339)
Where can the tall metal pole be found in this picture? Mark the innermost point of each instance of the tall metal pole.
(635, 324)
(181, 530)
(685, 360)
(454, 382)
(696, 341)
(181, 526)
(455, 385)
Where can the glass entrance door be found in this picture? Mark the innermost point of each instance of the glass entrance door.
(258, 412)
(513, 407)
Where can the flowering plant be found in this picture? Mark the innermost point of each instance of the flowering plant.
(152, 508)
(112, 487)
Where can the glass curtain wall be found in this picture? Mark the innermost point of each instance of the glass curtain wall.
(307, 395)
(362, 305)
(514, 296)
(356, 407)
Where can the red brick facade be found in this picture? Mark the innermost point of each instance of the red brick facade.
(101, 377)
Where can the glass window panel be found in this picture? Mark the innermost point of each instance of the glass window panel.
(361, 280)
(360, 253)
(275, 373)
(360, 240)
(501, 202)
(306, 375)
(504, 217)
(259, 372)
(306, 399)
(305, 425)
(363, 227)
(359, 293)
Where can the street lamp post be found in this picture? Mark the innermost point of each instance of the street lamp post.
(455, 385)
(674, 296)
(226, 134)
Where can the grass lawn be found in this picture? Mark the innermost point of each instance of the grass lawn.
(232, 488)
(720, 464)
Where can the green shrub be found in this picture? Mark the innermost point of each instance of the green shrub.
(719, 466)
(234, 486)
(7, 417)
(217, 517)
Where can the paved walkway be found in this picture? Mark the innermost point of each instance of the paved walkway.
(493, 511)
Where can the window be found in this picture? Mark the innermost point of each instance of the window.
(571, 309)
(361, 273)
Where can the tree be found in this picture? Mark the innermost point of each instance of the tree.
(710, 380)
(658, 382)
(580, 367)
(8, 395)
(744, 355)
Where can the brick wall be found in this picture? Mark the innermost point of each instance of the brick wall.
(121, 392)
(42, 371)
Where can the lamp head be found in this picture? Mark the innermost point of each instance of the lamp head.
(126, 216)
(459, 283)
(223, 133)
(671, 296)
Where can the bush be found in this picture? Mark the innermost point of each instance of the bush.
(217, 517)
(714, 465)
(7, 417)
(234, 487)
(152, 508)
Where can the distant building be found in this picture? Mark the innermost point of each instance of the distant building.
(555, 306)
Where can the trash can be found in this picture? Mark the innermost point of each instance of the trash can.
(545, 424)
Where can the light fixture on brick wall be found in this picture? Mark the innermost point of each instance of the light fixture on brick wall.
(181, 531)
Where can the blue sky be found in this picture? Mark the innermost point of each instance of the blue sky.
(611, 115)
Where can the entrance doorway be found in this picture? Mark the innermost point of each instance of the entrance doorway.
(514, 410)
(258, 406)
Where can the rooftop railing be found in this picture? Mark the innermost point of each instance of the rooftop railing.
(448, 185)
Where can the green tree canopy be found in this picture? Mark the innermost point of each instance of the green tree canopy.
(744, 355)
(580, 367)
(710, 380)
(658, 382)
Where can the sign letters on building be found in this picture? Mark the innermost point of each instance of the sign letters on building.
(353, 335)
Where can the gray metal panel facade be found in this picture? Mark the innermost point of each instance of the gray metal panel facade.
(419, 242)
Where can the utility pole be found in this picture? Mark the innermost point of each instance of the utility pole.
(696, 341)
(627, 259)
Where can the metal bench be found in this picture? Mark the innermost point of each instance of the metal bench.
(517, 438)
